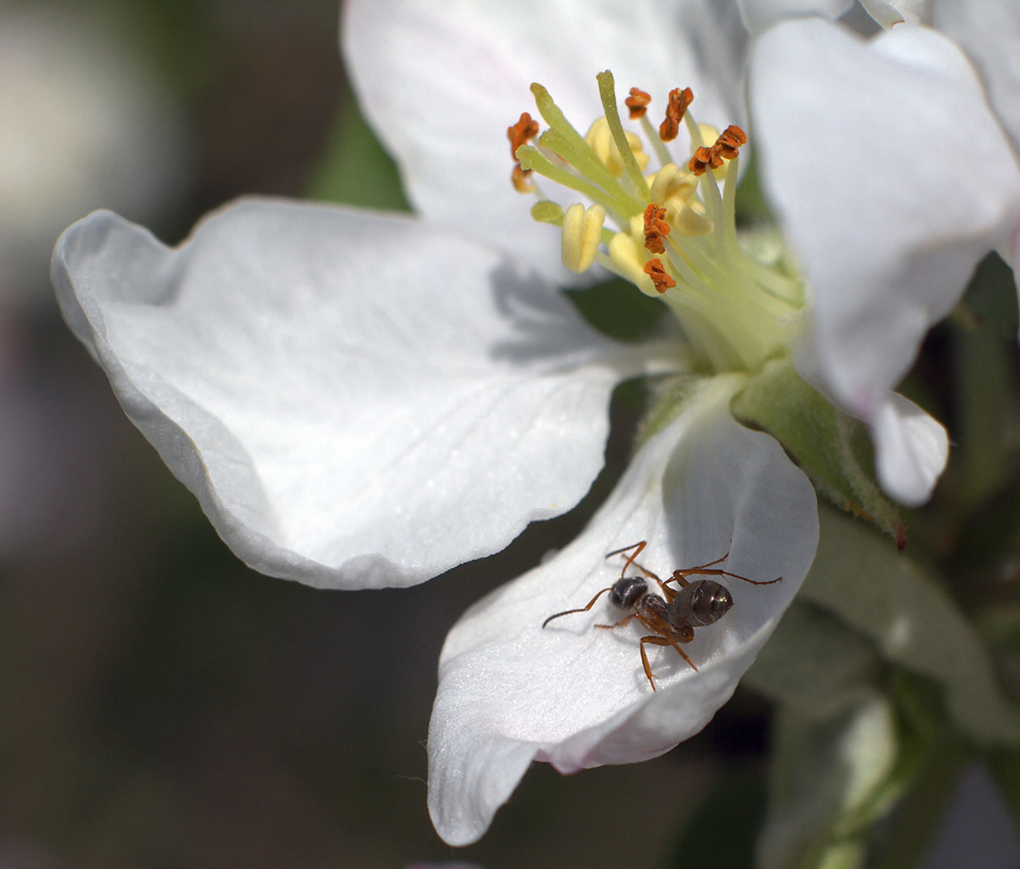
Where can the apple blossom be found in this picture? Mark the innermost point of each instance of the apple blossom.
(363, 400)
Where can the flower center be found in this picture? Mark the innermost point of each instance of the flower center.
(675, 234)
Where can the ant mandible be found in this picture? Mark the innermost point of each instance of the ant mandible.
(673, 620)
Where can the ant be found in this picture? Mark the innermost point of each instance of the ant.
(673, 620)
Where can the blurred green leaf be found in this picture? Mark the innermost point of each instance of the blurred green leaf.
(814, 662)
(356, 170)
(983, 334)
(828, 774)
(721, 832)
(617, 309)
(1004, 765)
(876, 590)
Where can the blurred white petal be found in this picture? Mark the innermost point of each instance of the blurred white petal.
(759, 14)
(989, 31)
(911, 450)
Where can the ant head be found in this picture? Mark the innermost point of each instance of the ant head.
(710, 601)
(627, 591)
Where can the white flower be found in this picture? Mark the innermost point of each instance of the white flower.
(364, 400)
(885, 237)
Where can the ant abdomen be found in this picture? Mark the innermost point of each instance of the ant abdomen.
(701, 603)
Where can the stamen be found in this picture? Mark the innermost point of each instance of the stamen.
(689, 218)
(637, 102)
(725, 148)
(671, 234)
(519, 134)
(520, 177)
(600, 138)
(523, 131)
(655, 228)
(670, 182)
(730, 141)
(657, 272)
(679, 100)
(582, 234)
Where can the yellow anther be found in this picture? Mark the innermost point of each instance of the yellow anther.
(688, 218)
(708, 133)
(600, 139)
(629, 256)
(546, 211)
(672, 183)
(582, 233)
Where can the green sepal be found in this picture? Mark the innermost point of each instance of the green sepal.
(820, 438)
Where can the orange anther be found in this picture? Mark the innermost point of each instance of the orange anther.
(704, 159)
(679, 100)
(725, 148)
(655, 229)
(657, 272)
(637, 102)
(729, 142)
(520, 180)
(523, 131)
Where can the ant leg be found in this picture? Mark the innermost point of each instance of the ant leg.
(679, 575)
(660, 641)
(669, 593)
(583, 609)
(638, 548)
(618, 624)
(702, 570)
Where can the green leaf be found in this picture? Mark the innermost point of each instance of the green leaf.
(883, 594)
(815, 662)
(827, 773)
(821, 440)
(618, 309)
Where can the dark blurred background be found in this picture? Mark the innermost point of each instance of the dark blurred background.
(160, 704)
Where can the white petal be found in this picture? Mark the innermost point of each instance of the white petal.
(892, 178)
(356, 400)
(578, 697)
(989, 31)
(911, 450)
(759, 14)
(441, 82)
(891, 12)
